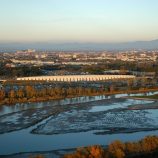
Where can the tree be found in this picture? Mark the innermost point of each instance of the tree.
(116, 149)
(20, 93)
(2, 94)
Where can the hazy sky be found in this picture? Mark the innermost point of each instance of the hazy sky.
(78, 20)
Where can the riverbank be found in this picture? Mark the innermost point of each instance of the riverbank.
(152, 97)
(6, 101)
(46, 154)
(117, 149)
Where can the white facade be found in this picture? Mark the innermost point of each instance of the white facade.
(75, 78)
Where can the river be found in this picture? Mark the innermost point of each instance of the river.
(24, 141)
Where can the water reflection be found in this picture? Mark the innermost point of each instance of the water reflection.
(25, 106)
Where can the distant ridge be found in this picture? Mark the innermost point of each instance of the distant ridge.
(80, 46)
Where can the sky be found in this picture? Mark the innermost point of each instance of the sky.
(78, 20)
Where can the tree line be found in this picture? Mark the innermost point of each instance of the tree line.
(34, 93)
(147, 147)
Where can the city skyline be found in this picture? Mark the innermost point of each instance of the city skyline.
(78, 21)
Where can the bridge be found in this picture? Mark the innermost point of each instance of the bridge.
(76, 78)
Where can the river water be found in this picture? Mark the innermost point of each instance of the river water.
(24, 141)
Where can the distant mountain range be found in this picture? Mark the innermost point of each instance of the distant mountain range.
(80, 46)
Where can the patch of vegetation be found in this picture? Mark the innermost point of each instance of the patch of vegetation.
(147, 147)
(148, 97)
